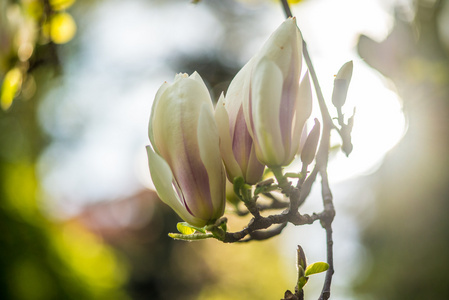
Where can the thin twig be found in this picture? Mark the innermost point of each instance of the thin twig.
(326, 291)
(261, 223)
(266, 234)
(288, 12)
(275, 204)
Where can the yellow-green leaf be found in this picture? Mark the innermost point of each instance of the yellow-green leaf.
(317, 267)
(184, 228)
(191, 237)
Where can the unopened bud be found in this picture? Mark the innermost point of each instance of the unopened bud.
(309, 150)
(302, 265)
(301, 258)
(341, 84)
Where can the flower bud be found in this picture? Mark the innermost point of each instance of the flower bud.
(236, 144)
(341, 84)
(277, 105)
(184, 157)
(301, 258)
(309, 150)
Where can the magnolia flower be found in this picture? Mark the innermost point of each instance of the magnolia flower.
(184, 157)
(236, 145)
(275, 104)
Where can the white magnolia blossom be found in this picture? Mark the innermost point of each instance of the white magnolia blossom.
(184, 156)
(275, 104)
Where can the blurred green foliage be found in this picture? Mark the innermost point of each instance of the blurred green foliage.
(25, 26)
(39, 258)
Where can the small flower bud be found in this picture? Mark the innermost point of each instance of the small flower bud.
(301, 258)
(341, 84)
(309, 150)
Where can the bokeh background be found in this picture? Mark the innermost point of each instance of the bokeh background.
(78, 216)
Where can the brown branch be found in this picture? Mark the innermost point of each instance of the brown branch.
(326, 291)
(266, 234)
(275, 204)
(265, 222)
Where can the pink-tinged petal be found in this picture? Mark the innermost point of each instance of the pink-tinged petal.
(240, 91)
(288, 102)
(266, 94)
(303, 109)
(163, 181)
(290, 90)
(222, 119)
(208, 142)
(311, 144)
(241, 141)
(243, 150)
(255, 169)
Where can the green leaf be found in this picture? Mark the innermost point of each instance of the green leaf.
(293, 175)
(239, 182)
(224, 226)
(191, 237)
(186, 228)
(302, 282)
(316, 268)
(267, 173)
(265, 189)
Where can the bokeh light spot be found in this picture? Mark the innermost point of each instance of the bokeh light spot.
(10, 87)
(62, 28)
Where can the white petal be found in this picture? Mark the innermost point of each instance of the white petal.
(208, 144)
(222, 119)
(281, 45)
(195, 76)
(179, 103)
(156, 101)
(266, 93)
(238, 93)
